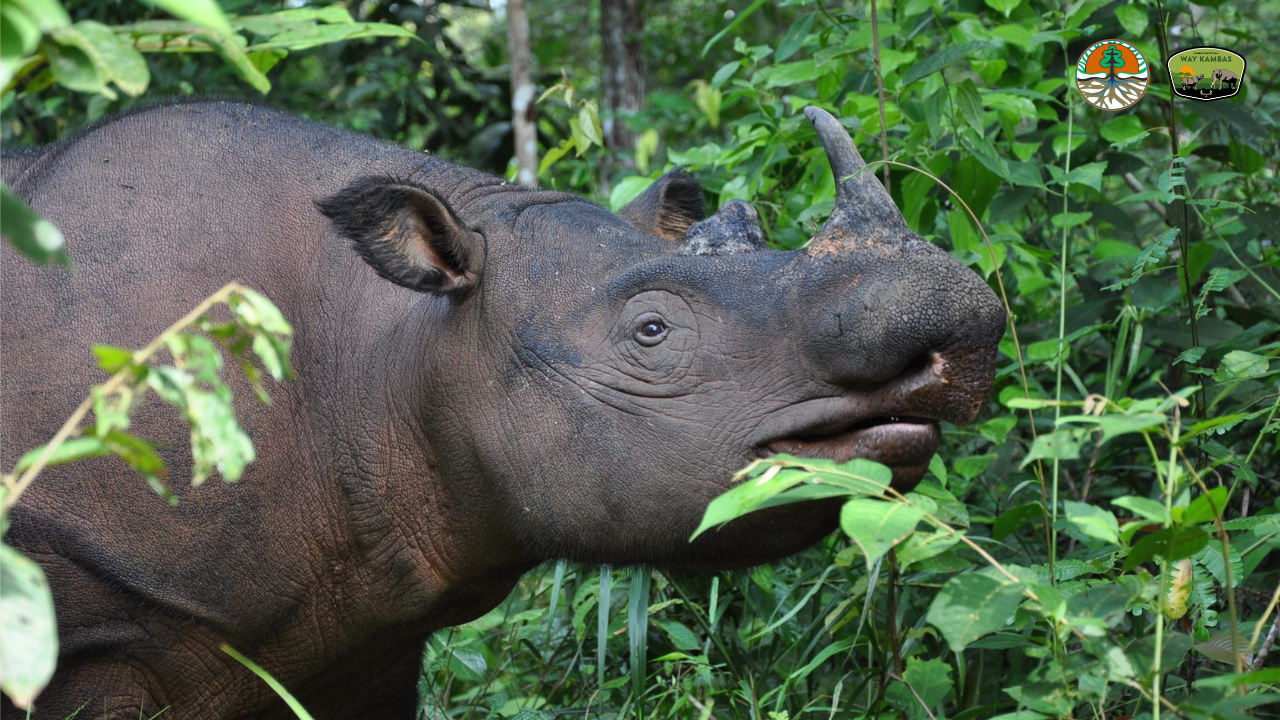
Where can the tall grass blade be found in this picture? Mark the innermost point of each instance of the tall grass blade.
(602, 621)
(271, 682)
(638, 632)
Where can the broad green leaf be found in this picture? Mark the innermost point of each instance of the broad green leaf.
(1241, 365)
(877, 525)
(1121, 128)
(1133, 18)
(1105, 603)
(626, 190)
(1061, 444)
(69, 451)
(303, 37)
(1170, 544)
(971, 466)
(205, 13)
(143, 459)
(931, 679)
(228, 46)
(115, 57)
(1144, 507)
(921, 546)
(1206, 507)
(1003, 6)
(112, 359)
(791, 73)
(32, 235)
(1010, 520)
(796, 34)
(969, 103)
(678, 633)
(71, 63)
(1093, 521)
(749, 495)
(1089, 175)
(940, 60)
(28, 632)
(974, 604)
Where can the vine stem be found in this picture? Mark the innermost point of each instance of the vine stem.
(1013, 333)
(1062, 326)
(875, 53)
(18, 486)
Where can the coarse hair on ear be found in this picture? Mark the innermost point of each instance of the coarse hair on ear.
(407, 234)
(666, 208)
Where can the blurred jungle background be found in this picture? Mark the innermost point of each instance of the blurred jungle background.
(1117, 501)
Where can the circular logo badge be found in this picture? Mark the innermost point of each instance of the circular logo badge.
(1112, 75)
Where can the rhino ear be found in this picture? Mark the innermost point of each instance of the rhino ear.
(666, 208)
(407, 234)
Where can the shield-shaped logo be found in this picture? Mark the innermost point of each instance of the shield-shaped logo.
(1206, 73)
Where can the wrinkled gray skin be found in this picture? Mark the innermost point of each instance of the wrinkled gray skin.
(531, 377)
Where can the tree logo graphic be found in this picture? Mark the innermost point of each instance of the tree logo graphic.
(1112, 75)
(1206, 73)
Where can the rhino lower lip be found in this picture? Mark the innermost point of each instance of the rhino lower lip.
(904, 444)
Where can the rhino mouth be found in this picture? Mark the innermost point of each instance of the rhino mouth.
(904, 444)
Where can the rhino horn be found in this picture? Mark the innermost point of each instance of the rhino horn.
(863, 208)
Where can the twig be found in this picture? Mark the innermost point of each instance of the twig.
(875, 52)
(1271, 636)
(111, 385)
(1136, 185)
(919, 699)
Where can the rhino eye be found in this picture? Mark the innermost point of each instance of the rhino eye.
(650, 329)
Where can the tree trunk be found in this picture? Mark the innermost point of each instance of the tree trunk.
(522, 116)
(620, 32)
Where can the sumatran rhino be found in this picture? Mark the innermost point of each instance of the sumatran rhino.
(1192, 82)
(488, 377)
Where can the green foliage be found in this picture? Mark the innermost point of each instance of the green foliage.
(192, 384)
(1103, 536)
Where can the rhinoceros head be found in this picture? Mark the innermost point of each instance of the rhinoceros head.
(594, 380)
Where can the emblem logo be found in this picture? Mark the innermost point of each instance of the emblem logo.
(1206, 73)
(1112, 75)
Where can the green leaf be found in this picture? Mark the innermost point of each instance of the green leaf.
(204, 13)
(1241, 365)
(921, 546)
(115, 57)
(1133, 18)
(1170, 544)
(1061, 444)
(1105, 604)
(71, 62)
(942, 59)
(1121, 128)
(1010, 520)
(1003, 6)
(112, 359)
(1206, 507)
(678, 633)
(69, 451)
(1089, 175)
(969, 103)
(931, 681)
(626, 190)
(143, 459)
(972, 605)
(233, 54)
(1144, 507)
(876, 525)
(32, 235)
(737, 19)
(1093, 521)
(28, 632)
(796, 34)
(787, 74)
(749, 495)
(303, 37)
(971, 466)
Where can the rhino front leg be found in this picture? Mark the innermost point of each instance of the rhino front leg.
(379, 684)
